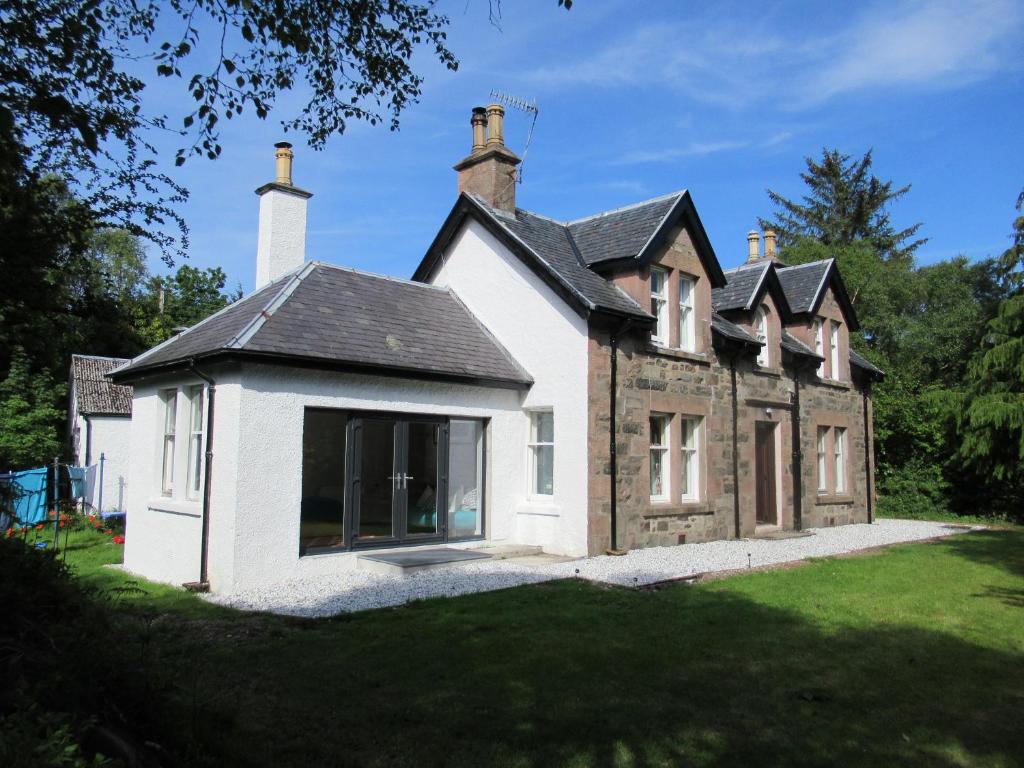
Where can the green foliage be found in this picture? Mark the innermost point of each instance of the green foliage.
(188, 296)
(68, 98)
(845, 203)
(28, 416)
(991, 422)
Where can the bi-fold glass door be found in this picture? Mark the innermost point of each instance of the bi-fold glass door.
(397, 480)
(381, 479)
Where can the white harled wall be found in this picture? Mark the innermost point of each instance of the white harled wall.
(164, 533)
(548, 338)
(111, 436)
(269, 459)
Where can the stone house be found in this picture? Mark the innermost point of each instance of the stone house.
(582, 386)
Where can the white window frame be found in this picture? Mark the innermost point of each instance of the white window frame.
(661, 452)
(761, 330)
(689, 457)
(822, 460)
(819, 345)
(194, 468)
(687, 323)
(533, 446)
(834, 351)
(839, 458)
(659, 306)
(169, 399)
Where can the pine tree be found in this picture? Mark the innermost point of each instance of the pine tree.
(845, 204)
(991, 424)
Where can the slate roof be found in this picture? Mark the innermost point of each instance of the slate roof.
(550, 242)
(621, 233)
(793, 345)
(338, 317)
(730, 330)
(95, 394)
(862, 362)
(742, 287)
(803, 283)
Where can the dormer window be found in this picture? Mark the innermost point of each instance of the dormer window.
(761, 329)
(687, 336)
(659, 305)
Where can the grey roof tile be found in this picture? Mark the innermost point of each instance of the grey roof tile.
(797, 347)
(622, 233)
(741, 289)
(802, 283)
(551, 243)
(95, 394)
(862, 362)
(730, 330)
(339, 315)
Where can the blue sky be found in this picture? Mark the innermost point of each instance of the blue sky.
(640, 99)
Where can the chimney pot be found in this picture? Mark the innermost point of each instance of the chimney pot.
(753, 245)
(283, 162)
(769, 243)
(495, 125)
(479, 123)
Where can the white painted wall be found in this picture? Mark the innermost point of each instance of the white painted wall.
(164, 532)
(548, 338)
(111, 436)
(281, 246)
(269, 461)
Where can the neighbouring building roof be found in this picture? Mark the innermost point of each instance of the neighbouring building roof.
(327, 316)
(94, 393)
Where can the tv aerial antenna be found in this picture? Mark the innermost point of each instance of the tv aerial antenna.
(528, 106)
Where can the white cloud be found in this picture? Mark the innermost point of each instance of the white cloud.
(740, 62)
(694, 149)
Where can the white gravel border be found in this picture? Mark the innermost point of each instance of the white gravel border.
(357, 590)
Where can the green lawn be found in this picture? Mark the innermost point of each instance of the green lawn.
(911, 656)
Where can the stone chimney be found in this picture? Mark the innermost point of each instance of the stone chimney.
(282, 238)
(770, 251)
(489, 171)
(753, 246)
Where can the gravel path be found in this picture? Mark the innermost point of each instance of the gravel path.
(357, 590)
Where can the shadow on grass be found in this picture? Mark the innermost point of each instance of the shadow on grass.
(1003, 548)
(570, 674)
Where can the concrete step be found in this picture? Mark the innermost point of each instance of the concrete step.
(406, 562)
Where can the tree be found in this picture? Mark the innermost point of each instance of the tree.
(182, 300)
(28, 415)
(71, 90)
(845, 204)
(991, 422)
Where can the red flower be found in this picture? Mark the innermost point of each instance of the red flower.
(39, 527)
(52, 513)
(118, 539)
(108, 531)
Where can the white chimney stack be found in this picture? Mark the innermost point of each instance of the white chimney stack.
(282, 238)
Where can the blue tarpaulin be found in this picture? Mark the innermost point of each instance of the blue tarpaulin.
(29, 495)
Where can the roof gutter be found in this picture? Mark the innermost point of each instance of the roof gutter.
(203, 585)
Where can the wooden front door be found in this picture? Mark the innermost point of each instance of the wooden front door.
(764, 473)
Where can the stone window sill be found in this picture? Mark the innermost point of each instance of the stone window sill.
(771, 373)
(668, 509)
(679, 354)
(826, 500)
(539, 508)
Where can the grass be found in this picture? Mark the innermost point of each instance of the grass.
(912, 656)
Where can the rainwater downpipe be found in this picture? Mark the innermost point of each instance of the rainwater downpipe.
(798, 481)
(613, 343)
(867, 459)
(735, 445)
(204, 547)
